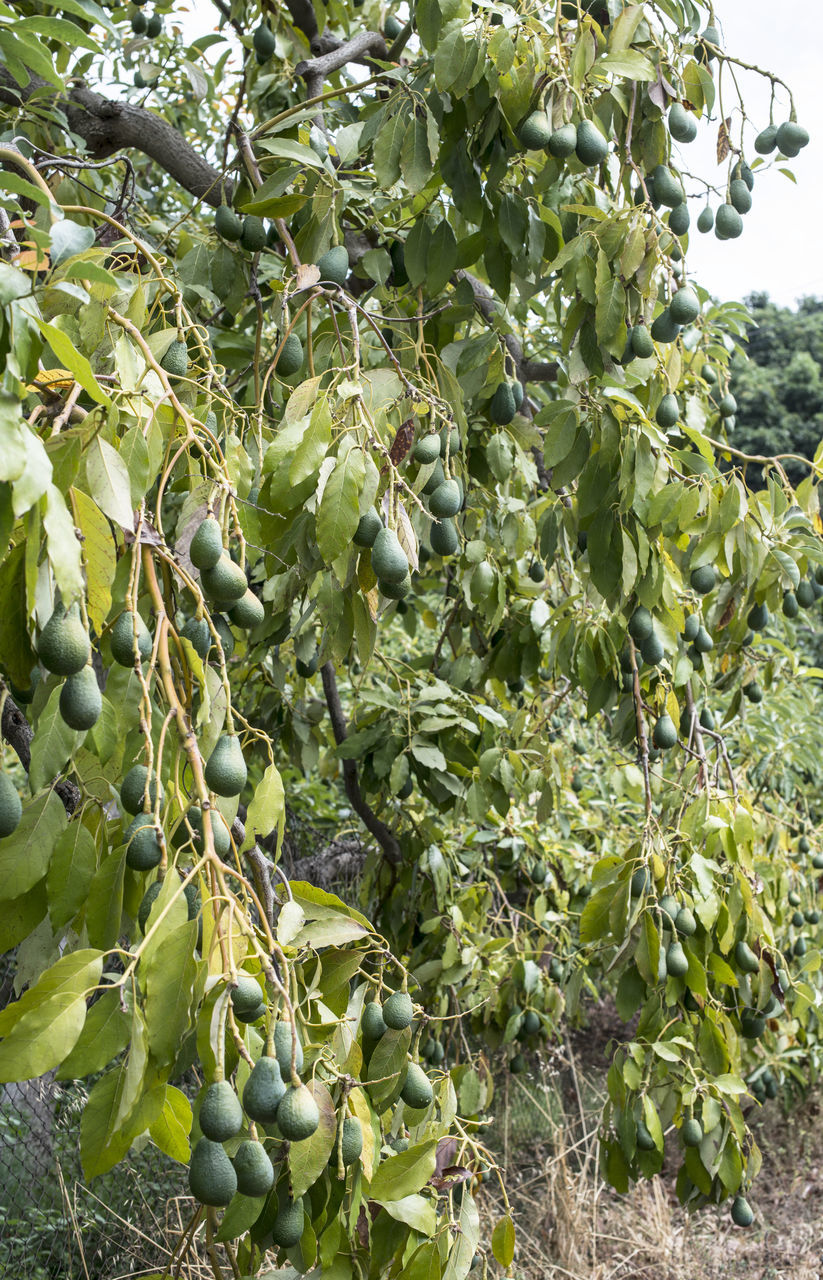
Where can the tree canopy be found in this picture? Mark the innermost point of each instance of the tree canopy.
(362, 427)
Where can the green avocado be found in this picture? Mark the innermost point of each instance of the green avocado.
(664, 327)
(727, 407)
(207, 544)
(536, 572)
(563, 142)
(121, 638)
(443, 538)
(728, 224)
(388, 559)
(197, 632)
(705, 220)
(739, 195)
(80, 700)
(372, 1021)
(288, 1225)
(790, 606)
(591, 146)
(176, 360)
(220, 832)
(154, 26)
(677, 966)
(398, 1010)
(264, 1089)
(641, 340)
(680, 219)
(427, 448)
(254, 1169)
(791, 138)
(685, 923)
(11, 808)
(392, 27)
(143, 850)
(227, 223)
(805, 593)
(351, 1141)
(64, 647)
(703, 642)
(691, 626)
(221, 1116)
(297, 1115)
(139, 23)
(664, 734)
(691, 1133)
(745, 957)
(766, 140)
(752, 1024)
(263, 40)
(249, 612)
(667, 188)
(742, 1215)
(225, 770)
(753, 692)
(334, 265)
(225, 582)
(368, 527)
(399, 275)
(707, 720)
(446, 500)
(682, 124)
(282, 1047)
(535, 131)
(417, 1091)
(758, 618)
(247, 995)
(684, 307)
(651, 650)
(502, 407)
(291, 356)
(212, 1179)
(703, 579)
(668, 412)
(253, 235)
(641, 624)
(133, 786)
(396, 590)
(645, 1141)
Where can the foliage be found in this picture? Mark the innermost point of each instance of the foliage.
(501, 359)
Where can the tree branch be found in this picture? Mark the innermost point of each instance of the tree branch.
(107, 126)
(527, 370)
(17, 731)
(384, 837)
(314, 71)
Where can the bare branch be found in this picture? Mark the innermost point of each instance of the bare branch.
(314, 72)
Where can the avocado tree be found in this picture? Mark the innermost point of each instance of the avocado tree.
(360, 419)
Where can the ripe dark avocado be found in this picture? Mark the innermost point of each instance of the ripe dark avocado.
(667, 188)
(535, 131)
(682, 124)
(64, 647)
(388, 559)
(248, 613)
(705, 220)
(398, 1010)
(664, 328)
(133, 787)
(80, 700)
(443, 538)
(212, 1179)
(684, 307)
(703, 579)
(334, 265)
(742, 1215)
(680, 219)
(427, 448)
(758, 618)
(143, 850)
(417, 1091)
(221, 1116)
(766, 140)
(297, 1115)
(264, 1089)
(641, 340)
(502, 407)
(11, 808)
(225, 581)
(291, 356)
(225, 770)
(668, 412)
(372, 1021)
(264, 41)
(121, 639)
(728, 224)
(677, 966)
(368, 528)
(254, 1169)
(563, 142)
(176, 360)
(446, 500)
(591, 147)
(288, 1225)
(197, 632)
(227, 223)
(282, 1048)
(351, 1141)
(664, 734)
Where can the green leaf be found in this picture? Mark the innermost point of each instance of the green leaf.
(24, 855)
(42, 1038)
(339, 513)
(170, 1131)
(386, 1064)
(108, 482)
(70, 358)
(242, 1213)
(169, 978)
(99, 556)
(267, 810)
(629, 63)
(388, 145)
(400, 1175)
(611, 305)
(52, 745)
(63, 546)
(416, 160)
(414, 1211)
(503, 1241)
(72, 975)
(104, 905)
(71, 871)
(105, 1034)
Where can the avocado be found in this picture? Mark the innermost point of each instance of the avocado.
(352, 1140)
(368, 528)
(139, 23)
(221, 1116)
(427, 448)
(249, 611)
(703, 579)
(406, 789)
(220, 832)
(11, 808)
(176, 360)
(121, 638)
(677, 966)
(282, 1047)
(254, 1169)
(563, 142)
(518, 1064)
(436, 478)
(398, 1010)
(682, 124)
(372, 1022)
(752, 1024)
(417, 1091)
(745, 958)
(691, 626)
(705, 220)
(703, 642)
(790, 606)
(399, 275)
(758, 618)
(535, 131)
(143, 849)
(253, 235)
(645, 1141)
(307, 669)
(742, 1215)
(664, 327)
(225, 770)
(392, 27)
(212, 1179)
(197, 632)
(291, 356)
(641, 624)
(728, 224)
(247, 994)
(739, 195)
(154, 26)
(388, 559)
(680, 220)
(667, 188)
(753, 692)
(707, 720)
(225, 582)
(668, 412)
(446, 500)
(691, 1133)
(80, 700)
(396, 590)
(805, 593)
(288, 1225)
(766, 140)
(727, 407)
(531, 1023)
(502, 407)
(591, 146)
(641, 340)
(297, 1115)
(711, 36)
(684, 307)
(334, 265)
(263, 41)
(664, 734)
(791, 138)
(207, 544)
(264, 1089)
(651, 650)
(139, 81)
(443, 538)
(536, 572)
(133, 787)
(227, 223)
(685, 923)
(64, 647)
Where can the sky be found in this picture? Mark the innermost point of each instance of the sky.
(778, 251)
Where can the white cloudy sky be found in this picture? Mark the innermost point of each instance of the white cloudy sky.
(779, 250)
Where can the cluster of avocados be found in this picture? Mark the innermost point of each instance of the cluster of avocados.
(585, 139)
(142, 25)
